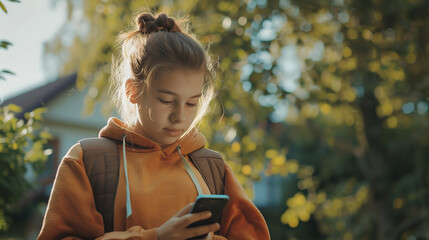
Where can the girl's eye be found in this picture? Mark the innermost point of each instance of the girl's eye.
(191, 104)
(165, 102)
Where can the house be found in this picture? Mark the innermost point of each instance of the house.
(64, 117)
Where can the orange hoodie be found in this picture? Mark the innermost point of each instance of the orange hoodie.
(159, 188)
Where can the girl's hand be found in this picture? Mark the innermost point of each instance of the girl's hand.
(175, 227)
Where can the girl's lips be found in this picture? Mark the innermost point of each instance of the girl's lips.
(173, 132)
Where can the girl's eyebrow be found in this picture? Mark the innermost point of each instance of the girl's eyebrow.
(175, 94)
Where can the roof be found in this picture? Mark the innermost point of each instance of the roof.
(40, 96)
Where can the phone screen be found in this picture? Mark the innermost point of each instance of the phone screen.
(213, 203)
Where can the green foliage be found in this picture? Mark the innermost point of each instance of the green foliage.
(5, 45)
(21, 150)
(4, 8)
(5, 72)
(331, 95)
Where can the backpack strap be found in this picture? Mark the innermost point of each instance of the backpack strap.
(212, 168)
(101, 160)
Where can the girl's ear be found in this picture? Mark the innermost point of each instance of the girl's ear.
(131, 91)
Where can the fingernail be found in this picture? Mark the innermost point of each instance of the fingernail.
(209, 214)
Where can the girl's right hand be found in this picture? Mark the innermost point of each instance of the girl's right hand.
(175, 227)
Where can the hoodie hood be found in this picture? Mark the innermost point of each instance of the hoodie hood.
(136, 142)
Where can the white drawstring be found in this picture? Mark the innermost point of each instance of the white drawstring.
(190, 172)
(128, 204)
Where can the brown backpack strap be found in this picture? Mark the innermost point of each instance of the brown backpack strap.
(101, 160)
(212, 168)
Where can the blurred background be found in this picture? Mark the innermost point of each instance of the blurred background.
(322, 109)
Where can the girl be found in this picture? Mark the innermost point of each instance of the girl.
(164, 82)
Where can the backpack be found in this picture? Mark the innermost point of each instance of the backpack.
(101, 160)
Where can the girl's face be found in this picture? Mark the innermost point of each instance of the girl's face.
(167, 108)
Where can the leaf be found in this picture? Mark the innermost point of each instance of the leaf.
(3, 43)
(40, 110)
(46, 135)
(3, 7)
(14, 108)
(8, 72)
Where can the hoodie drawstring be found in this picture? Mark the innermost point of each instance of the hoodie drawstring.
(129, 209)
(190, 172)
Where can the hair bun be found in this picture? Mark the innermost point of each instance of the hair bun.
(147, 23)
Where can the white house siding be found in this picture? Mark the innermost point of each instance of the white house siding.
(66, 121)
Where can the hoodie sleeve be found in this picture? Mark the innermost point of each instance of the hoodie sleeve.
(71, 212)
(241, 219)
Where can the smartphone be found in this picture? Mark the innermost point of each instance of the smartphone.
(212, 203)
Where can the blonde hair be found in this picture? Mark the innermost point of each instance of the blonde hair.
(158, 42)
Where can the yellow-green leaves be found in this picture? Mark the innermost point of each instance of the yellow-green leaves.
(22, 146)
(13, 108)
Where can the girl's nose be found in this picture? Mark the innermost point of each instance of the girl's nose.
(178, 114)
